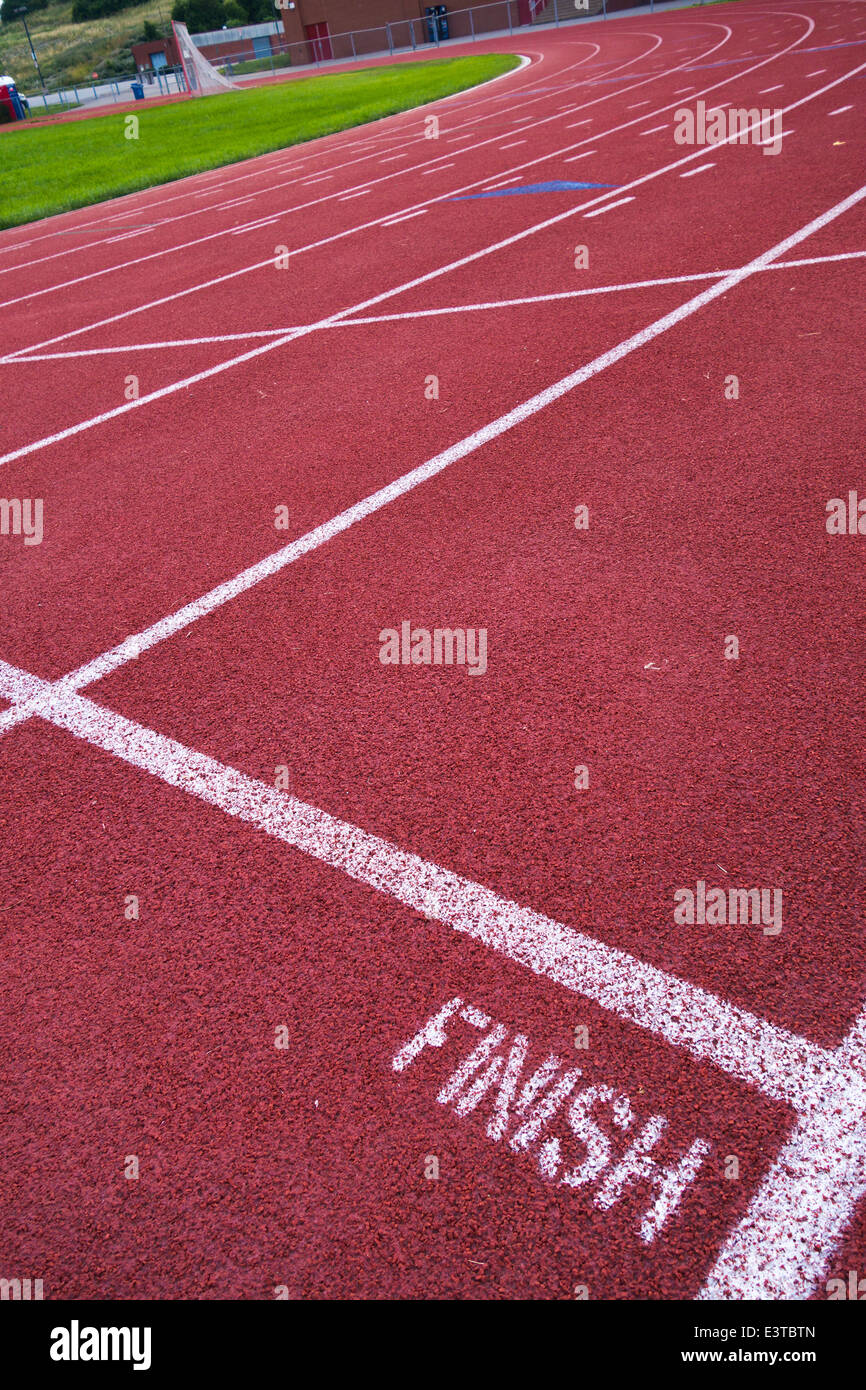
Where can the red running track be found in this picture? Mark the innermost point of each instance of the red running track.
(340, 977)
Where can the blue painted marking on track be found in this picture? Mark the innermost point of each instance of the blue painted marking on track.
(556, 186)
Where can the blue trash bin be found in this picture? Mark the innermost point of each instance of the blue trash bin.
(138, 90)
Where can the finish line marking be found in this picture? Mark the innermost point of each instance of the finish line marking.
(799, 1215)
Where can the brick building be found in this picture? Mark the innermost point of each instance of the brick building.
(317, 20)
(310, 31)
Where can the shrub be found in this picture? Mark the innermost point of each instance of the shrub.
(97, 9)
(199, 16)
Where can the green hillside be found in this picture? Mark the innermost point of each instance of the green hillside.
(69, 52)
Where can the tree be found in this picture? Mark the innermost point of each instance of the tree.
(204, 15)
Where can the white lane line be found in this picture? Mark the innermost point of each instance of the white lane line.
(771, 139)
(126, 236)
(783, 1246)
(351, 231)
(364, 321)
(256, 226)
(277, 560)
(655, 130)
(362, 193)
(819, 73)
(690, 173)
(503, 184)
(152, 347)
(405, 217)
(265, 166)
(573, 158)
(852, 1052)
(840, 109)
(777, 1063)
(635, 104)
(211, 236)
(574, 125)
(618, 204)
(538, 159)
(777, 88)
(425, 173)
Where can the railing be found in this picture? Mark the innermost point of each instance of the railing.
(237, 58)
(165, 81)
(499, 17)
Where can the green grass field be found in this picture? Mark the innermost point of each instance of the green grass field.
(48, 169)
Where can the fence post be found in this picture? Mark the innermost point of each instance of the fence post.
(390, 40)
(556, 12)
(354, 50)
(472, 24)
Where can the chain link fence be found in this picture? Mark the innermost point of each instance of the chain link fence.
(239, 58)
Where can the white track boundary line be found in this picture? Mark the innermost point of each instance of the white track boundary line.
(302, 181)
(109, 661)
(425, 313)
(608, 207)
(777, 1063)
(332, 195)
(783, 1246)
(797, 1218)
(605, 97)
(530, 231)
(800, 1213)
(220, 367)
(266, 165)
